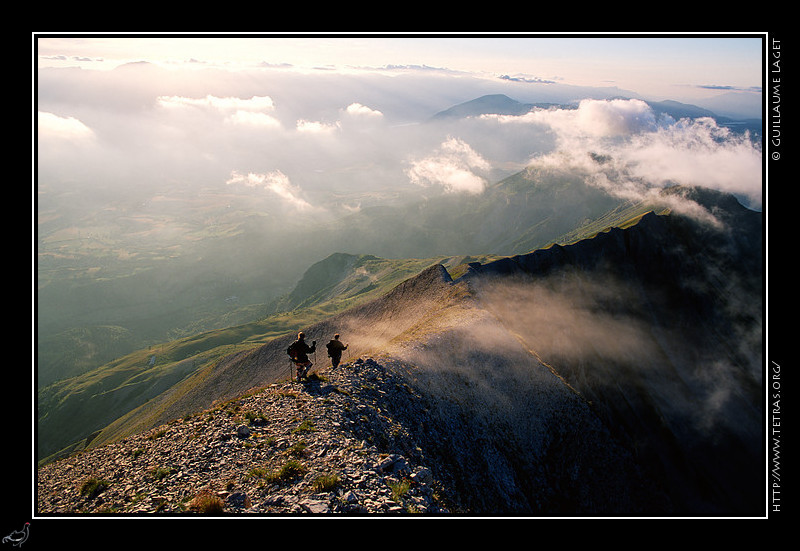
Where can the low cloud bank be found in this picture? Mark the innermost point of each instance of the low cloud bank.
(627, 149)
(366, 137)
(454, 166)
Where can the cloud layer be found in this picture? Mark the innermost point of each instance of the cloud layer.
(54, 127)
(641, 150)
(310, 140)
(277, 183)
(454, 166)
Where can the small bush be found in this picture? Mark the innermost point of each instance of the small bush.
(256, 472)
(158, 434)
(325, 482)
(207, 502)
(399, 489)
(298, 449)
(92, 487)
(161, 473)
(305, 426)
(255, 418)
(291, 469)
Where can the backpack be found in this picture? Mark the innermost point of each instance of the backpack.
(292, 350)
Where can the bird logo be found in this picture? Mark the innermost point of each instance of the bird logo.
(18, 537)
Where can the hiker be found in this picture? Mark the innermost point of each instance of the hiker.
(299, 351)
(335, 349)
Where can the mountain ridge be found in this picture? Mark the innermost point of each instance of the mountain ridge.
(73, 409)
(496, 104)
(501, 104)
(474, 356)
(163, 289)
(277, 325)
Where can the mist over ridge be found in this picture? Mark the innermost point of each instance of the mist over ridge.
(172, 205)
(554, 292)
(623, 366)
(174, 202)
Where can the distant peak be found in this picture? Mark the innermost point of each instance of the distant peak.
(495, 97)
(494, 104)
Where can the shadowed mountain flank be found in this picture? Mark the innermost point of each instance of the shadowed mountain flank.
(659, 328)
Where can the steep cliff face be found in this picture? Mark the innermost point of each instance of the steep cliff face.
(659, 328)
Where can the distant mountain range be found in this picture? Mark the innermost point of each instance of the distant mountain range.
(500, 104)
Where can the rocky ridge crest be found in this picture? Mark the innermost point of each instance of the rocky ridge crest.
(327, 445)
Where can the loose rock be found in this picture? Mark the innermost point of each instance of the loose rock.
(321, 447)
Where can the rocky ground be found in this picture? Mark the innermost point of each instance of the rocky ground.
(327, 445)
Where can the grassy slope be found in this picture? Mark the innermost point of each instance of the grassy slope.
(69, 409)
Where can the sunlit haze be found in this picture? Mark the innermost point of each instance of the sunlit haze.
(199, 200)
(311, 121)
(659, 68)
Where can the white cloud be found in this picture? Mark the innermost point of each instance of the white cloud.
(614, 118)
(276, 182)
(698, 153)
(50, 125)
(251, 111)
(314, 127)
(592, 119)
(453, 166)
(253, 118)
(643, 150)
(359, 110)
(255, 103)
(348, 138)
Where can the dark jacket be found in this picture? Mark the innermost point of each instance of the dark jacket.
(299, 350)
(335, 348)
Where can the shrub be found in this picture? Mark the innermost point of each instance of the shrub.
(298, 449)
(158, 434)
(256, 472)
(255, 418)
(325, 482)
(92, 487)
(207, 502)
(305, 426)
(291, 469)
(399, 489)
(161, 473)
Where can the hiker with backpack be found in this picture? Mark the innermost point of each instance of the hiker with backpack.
(299, 351)
(335, 349)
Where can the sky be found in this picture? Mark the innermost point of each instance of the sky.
(658, 67)
(304, 121)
